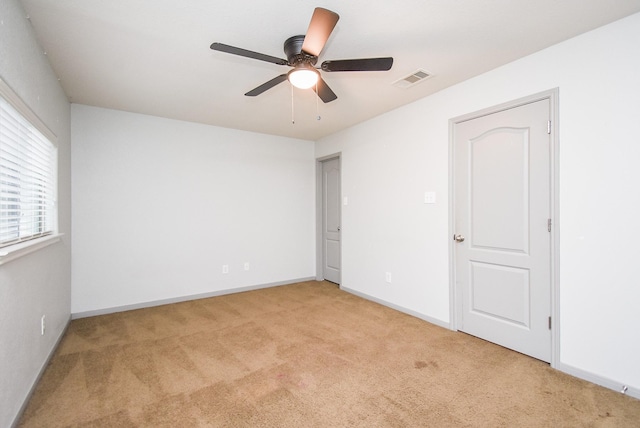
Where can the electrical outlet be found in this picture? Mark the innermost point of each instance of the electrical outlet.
(42, 326)
(387, 277)
(246, 265)
(429, 197)
(225, 268)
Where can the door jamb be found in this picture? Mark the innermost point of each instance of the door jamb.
(319, 207)
(552, 95)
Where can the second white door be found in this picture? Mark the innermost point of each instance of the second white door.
(331, 220)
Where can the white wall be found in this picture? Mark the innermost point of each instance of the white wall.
(160, 205)
(249, 197)
(390, 161)
(39, 283)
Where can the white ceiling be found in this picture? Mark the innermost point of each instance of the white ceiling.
(153, 56)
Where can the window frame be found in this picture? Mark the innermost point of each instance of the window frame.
(20, 248)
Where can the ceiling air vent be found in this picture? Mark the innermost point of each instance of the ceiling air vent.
(412, 79)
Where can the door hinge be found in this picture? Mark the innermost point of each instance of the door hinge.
(549, 323)
(548, 127)
(549, 225)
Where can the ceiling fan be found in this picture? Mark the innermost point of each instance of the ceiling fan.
(302, 54)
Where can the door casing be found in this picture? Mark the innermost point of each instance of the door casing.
(552, 95)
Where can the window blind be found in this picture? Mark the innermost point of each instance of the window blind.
(27, 179)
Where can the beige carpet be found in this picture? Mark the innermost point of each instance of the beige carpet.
(302, 355)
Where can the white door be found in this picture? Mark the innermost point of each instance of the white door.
(331, 220)
(502, 228)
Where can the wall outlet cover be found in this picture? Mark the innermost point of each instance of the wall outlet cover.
(429, 197)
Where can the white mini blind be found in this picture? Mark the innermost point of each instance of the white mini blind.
(27, 179)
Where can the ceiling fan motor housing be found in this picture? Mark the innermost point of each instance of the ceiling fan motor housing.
(293, 50)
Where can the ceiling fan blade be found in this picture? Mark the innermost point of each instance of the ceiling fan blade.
(324, 91)
(249, 54)
(365, 64)
(267, 85)
(322, 23)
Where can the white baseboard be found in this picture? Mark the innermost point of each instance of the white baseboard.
(179, 299)
(598, 380)
(398, 308)
(39, 376)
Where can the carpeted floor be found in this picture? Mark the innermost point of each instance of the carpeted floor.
(302, 355)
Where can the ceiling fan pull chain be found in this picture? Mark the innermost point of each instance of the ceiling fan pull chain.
(317, 102)
(293, 119)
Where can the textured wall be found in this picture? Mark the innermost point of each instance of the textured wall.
(38, 283)
(159, 206)
(390, 161)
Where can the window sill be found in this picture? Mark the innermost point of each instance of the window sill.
(13, 252)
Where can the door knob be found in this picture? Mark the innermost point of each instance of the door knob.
(459, 238)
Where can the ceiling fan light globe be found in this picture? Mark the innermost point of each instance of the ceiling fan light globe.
(303, 78)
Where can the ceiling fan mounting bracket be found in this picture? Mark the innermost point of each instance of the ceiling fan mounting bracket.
(295, 55)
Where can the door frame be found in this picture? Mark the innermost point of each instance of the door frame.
(454, 294)
(319, 214)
